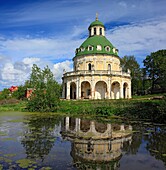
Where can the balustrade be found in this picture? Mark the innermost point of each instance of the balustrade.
(96, 72)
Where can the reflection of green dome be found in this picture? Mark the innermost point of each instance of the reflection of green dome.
(95, 41)
(96, 23)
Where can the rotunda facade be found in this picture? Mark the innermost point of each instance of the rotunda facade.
(97, 73)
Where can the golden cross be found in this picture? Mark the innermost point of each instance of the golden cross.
(96, 16)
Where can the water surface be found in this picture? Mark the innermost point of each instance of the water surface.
(48, 141)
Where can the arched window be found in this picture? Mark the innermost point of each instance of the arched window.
(107, 48)
(109, 67)
(94, 31)
(100, 31)
(90, 48)
(89, 66)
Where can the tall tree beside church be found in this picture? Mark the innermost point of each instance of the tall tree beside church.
(46, 91)
(155, 65)
(129, 62)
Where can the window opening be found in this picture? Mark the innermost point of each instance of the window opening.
(89, 66)
(94, 31)
(100, 31)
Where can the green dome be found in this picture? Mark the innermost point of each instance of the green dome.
(96, 23)
(98, 44)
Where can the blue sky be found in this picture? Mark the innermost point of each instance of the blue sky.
(47, 32)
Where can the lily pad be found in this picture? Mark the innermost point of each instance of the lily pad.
(25, 163)
(45, 168)
(8, 139)
(156, 151)
(10, 155)
(3, 133)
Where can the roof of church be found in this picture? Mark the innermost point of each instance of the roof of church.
(94, 41)
(96, 23)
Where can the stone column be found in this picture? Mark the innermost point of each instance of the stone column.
(77, 128)
(77, 88)
(92, 31)
(92, 88)
(63, 91)
(103, 31)
(109, 88)
(67, 123)
(92, 127)
(122, 127)
(68, 90)
(121, 91)
(109, 130)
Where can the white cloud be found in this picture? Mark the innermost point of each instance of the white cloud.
(60, 68)
(123, 4)
(50, 48)
(139, 38)
(30, 61)
(17, 73)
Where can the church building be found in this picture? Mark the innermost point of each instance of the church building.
(97, 73)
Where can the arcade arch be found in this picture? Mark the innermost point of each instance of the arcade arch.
(85, 90)
(85, 125)
(72, 124)
(100, 127)
(125, 91)
(115, 90)
(100, 90)
(72, 90)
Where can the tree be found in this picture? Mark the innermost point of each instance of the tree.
(155, 66)
(5, 94)
(46, 91)
(20, 93)
(39, 137)
(129, 62)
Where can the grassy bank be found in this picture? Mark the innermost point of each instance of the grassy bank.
(137, 108)
(12, 105)
(152, 110)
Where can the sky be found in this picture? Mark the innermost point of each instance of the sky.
(47, 32)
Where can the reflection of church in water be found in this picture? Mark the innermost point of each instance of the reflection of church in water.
(96, 145)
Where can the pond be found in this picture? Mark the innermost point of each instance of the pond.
(48, 141)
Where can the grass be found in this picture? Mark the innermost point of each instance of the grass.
(13, 107)
(136, 108)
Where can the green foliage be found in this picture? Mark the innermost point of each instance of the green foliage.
(46, 91)
(20, 93)
(130, 63)
(5, 94)
(153, 110)
(155, 66)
